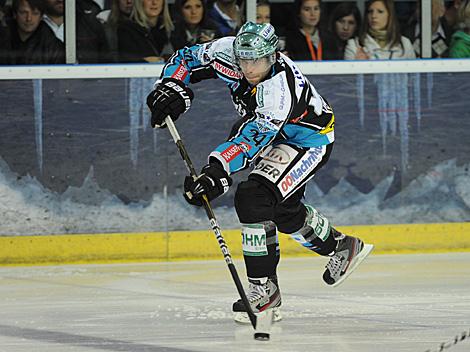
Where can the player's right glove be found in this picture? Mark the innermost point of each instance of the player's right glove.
(213, 182)
(171, 98)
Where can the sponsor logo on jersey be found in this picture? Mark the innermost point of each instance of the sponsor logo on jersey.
(227, 71)
(268, 169)
(282, 98)
(234, 150)
(301, 170)
(224, 57)
(299, 76)
(266, 123)
(275, 162)
(277, 155)
(203, 53)
(259, 96)
(180, 73)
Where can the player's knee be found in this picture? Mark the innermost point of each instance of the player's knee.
(254, 202)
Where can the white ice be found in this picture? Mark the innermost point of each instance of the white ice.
(391, 303)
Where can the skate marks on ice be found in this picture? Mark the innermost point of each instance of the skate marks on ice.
(392, 303)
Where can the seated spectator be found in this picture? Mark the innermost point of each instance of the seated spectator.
(32, 41)
(145, 36)
(345, 21)
(54, 17)
(307, 41)
(90, 7)
(451, 12)
(380, 37)
(90, 37)
(118, 8)
(120, 11)
(460, 45)
(5, 45)
(263, 12)
(227, 16)
(192, 25)
(263, 15)
(441, 31)
(92, 46)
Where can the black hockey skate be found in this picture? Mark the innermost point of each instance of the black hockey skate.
(350, 252)
(262, 294)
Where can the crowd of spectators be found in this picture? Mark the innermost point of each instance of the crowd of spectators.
(32, 31)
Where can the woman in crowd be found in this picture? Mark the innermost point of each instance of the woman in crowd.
(460, 45)
(120, 11)
(345, 21)
(145, 36)
(307, 41)
(380, 36)
(263, 11)
(192, 26)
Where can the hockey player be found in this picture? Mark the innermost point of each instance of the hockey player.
(286, 131)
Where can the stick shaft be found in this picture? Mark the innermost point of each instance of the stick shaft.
(213, 221)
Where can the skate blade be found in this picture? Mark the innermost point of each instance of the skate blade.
(355, 263)
(242, 317)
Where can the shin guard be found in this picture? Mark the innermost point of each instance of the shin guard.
(260, 249)
(316, 234)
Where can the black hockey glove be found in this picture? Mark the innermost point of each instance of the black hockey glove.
(170, 98)
(213, 182)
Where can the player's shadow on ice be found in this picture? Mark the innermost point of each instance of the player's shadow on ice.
(91, 342)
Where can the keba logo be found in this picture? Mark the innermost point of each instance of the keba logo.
(277, 155)
(233, 151)
(180, 73)
(227, 71)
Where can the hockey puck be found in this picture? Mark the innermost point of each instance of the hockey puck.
(261, 336)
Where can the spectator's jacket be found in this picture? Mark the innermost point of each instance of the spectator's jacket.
(181, 36)
(460, 45)
(375, 52)
(221, 23)
(297, 47)
(92, 45)
(284, 107)
(42, 47)
(440, 39)
(5, 44)
(136, 42)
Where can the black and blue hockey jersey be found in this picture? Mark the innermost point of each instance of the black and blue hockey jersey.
(284, 107)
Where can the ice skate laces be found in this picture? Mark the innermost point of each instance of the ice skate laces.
(256, 292)
(335, 264)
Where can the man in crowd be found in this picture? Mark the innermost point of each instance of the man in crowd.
(32, 42)
(227, 16)
(91, 41)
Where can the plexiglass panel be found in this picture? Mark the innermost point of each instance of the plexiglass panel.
(79, 156)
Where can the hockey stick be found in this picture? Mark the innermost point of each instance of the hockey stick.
(213, 221)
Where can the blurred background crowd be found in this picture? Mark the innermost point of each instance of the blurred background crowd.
(125, 31)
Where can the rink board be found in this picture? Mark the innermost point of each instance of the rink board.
(202, 245)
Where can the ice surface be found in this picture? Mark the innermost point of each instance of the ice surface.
(391, 303)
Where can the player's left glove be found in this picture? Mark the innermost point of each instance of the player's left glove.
(171, 98)
(213, 182)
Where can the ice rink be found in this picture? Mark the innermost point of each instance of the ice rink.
(391, 303)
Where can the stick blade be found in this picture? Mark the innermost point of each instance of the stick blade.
(263, 325)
